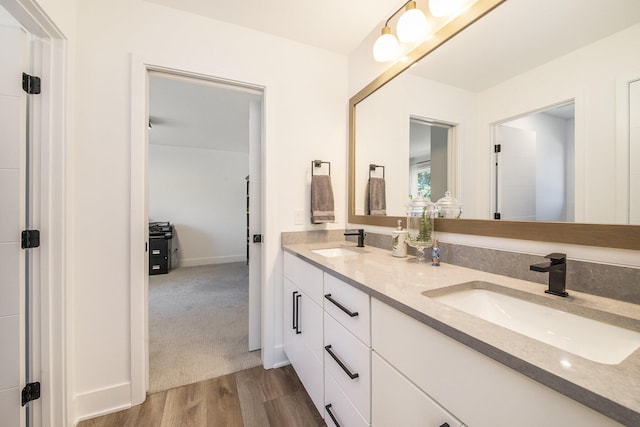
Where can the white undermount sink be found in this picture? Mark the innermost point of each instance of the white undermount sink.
(334, 252)
(592, 339)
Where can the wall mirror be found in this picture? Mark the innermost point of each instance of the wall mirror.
(523, 58)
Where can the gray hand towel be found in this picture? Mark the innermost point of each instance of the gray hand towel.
(321, 199)
(377, 197)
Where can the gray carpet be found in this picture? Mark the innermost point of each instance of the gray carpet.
(198, 324)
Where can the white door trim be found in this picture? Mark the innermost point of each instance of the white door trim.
(623, 145)
(140, 66)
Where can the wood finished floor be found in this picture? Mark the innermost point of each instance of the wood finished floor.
(253, 397)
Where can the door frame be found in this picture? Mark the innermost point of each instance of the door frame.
(50, 127)
(139, 233)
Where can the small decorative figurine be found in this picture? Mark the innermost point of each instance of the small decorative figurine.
(435, 254)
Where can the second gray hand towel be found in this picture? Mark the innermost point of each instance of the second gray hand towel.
(377, 197)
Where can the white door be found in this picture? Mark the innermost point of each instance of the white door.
(255, 223)
(13, 48)
(516, 174)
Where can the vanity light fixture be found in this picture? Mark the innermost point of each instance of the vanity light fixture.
(412, 26)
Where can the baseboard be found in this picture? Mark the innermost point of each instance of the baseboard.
(193, 262)
(280, 358)
(101, 402)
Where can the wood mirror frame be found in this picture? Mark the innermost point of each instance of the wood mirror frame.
(601, 235)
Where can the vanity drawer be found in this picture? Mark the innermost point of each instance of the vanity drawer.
(348, 361)
(305, 276)
(397, 402)
(349, 306)
(337, 403)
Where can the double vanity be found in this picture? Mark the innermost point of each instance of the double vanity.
(384, 341)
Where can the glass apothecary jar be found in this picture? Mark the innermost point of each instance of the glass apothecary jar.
(420, 214)
(448, 207)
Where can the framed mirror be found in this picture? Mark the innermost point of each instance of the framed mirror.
(521, 58)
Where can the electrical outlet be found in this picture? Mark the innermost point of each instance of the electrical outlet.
(298, 217)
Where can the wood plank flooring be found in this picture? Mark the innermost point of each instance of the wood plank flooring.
(250, 398)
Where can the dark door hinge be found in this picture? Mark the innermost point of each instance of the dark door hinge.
(496, 215)
(257, 238)
(30, 392)
(30, 239)
(497, 148)
(30, 84)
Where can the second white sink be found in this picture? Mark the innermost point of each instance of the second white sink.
(334, 252)
(592, 339)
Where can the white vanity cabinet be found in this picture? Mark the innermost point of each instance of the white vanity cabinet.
(478, 390)
(347, 358)
(303, 325)
(398, 402)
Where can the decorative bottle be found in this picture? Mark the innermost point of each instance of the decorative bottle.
(399, 241)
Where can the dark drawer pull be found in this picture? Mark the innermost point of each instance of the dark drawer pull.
(328, 408)
(340, 306)
(294, 317)
(339, 362)
(298, 331)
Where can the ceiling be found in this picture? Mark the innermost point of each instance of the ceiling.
(335, 25)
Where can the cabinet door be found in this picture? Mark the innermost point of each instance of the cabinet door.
(289, 315)
(397, 402)
(308, 352)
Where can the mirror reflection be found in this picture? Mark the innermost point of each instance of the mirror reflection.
(500, 76)
(534, 157)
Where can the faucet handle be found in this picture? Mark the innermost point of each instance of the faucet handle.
(556, 258)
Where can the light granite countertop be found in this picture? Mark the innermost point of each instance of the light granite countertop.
(613, 390)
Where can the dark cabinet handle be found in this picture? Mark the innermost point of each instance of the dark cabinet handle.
(333, 418)
(340, 306)
(298, 331)
(339, 362)
(294, 317)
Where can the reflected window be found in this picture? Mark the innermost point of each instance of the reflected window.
(428, 158)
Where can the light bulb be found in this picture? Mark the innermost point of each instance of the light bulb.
(412, 25)
(386, 47)
(440, 8)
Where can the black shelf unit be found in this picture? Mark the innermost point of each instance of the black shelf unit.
(160, 237)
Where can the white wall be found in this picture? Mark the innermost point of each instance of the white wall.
(202, 192)
(305, 119)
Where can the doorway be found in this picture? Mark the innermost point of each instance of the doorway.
(534, 166)
(204, 139)
(431, 158)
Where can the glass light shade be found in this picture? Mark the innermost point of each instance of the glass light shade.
(412, 25)
(440, 8)
(386, 47)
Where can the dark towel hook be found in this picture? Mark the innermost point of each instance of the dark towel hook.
(317, 164)
(373, 167)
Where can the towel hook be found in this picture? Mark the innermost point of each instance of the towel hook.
(317, 164)
(373, 167)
